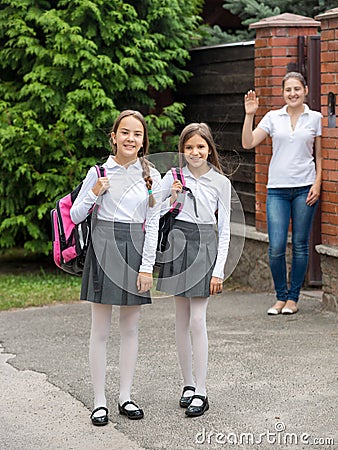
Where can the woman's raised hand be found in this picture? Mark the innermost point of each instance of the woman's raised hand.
(251, 102)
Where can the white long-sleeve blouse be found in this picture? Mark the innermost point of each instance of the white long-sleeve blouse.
(125, 201)
(212, 192)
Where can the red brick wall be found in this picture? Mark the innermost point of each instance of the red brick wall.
(329, 81)
(275, 49)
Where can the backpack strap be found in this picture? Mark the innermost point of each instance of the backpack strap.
(178, 175)
(100, 170)
(177, 205)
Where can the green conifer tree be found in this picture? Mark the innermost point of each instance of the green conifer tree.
(251, 11)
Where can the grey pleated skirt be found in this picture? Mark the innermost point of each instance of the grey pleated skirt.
(186, 266)
(112, 265)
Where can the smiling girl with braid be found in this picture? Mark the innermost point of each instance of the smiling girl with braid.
(119, 263)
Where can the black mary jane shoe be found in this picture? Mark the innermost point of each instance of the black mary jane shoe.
(185, 401)
(102, 420)
(135, 414)
(194, 411)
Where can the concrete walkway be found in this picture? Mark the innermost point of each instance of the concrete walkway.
(35, 414)
(272, 381)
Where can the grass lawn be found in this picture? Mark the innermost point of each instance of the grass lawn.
(37, 289)
(28, 282)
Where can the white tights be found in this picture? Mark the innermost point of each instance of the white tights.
(191, 317)
(100, 329)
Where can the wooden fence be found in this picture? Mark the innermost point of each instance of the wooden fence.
(221, 76)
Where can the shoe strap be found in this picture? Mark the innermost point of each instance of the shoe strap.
(188, 388)
(98, 409)
(201, 397)
(129, 402)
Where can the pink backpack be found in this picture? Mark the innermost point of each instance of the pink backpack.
(70, 241)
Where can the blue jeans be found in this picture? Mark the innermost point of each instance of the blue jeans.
(283, 204)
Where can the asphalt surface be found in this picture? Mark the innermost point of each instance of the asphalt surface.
(272, 381)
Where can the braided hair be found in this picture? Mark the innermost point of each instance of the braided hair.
(143, 151)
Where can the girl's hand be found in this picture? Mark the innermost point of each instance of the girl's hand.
(175, 189)
(313, 194)
(101, 186)
(216, 285)
(251, 103)
(144, 282)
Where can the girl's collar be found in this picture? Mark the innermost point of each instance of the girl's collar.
(189, 173)
(112, 163)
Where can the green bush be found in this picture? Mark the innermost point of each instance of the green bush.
(68, 68)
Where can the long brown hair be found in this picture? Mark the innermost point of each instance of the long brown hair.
(203, 130)
(142, 153)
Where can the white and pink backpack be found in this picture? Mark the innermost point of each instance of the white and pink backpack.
(70, 241)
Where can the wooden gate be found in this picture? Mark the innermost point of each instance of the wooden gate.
(309, 66)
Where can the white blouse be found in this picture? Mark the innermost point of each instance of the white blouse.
(212, 192)
(292, 163)
(125, 201)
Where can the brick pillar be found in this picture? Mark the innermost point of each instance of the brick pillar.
(275, 55)
(329, 198)
(329, 80)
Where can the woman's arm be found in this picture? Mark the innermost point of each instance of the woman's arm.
(314, 191)
(250, 137)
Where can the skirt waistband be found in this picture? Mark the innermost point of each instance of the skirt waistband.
(189, 226)
(119, 226)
